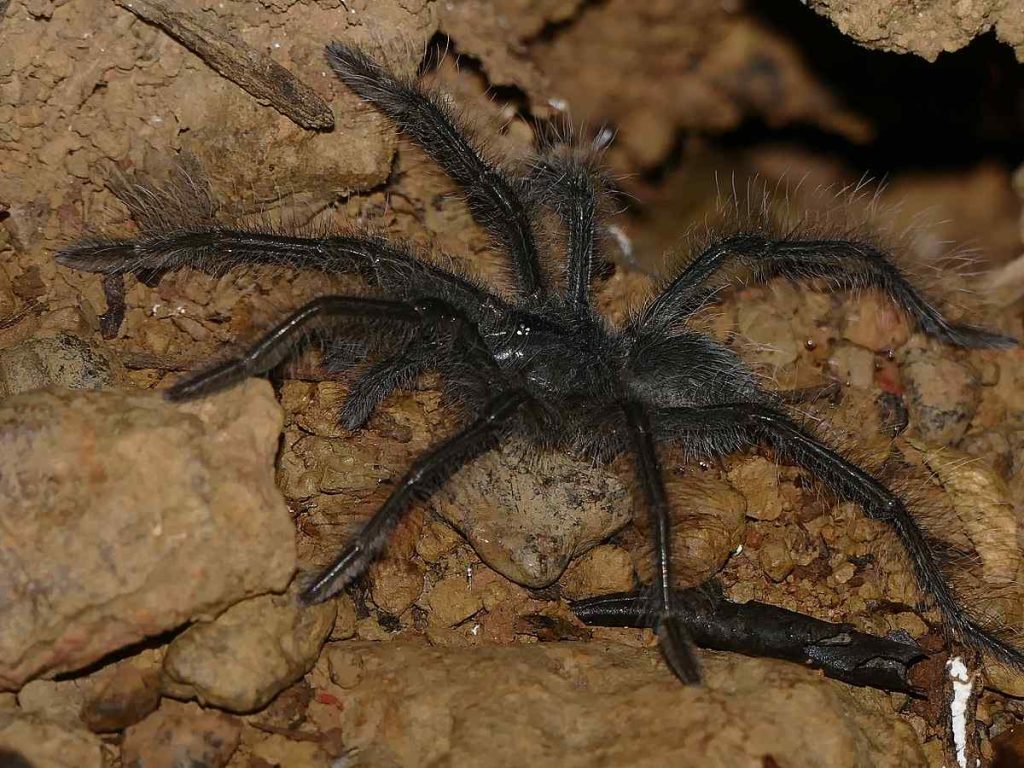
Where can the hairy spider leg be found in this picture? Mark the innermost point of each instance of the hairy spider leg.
(494, 198)
(383, 378)
(569, 186)
(279, 342)
(724, 428)
(426, 474)
(672, 635)
(384, 264)
(845, 264)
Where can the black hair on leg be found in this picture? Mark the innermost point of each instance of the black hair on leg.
(569, 184)
(447, 338)
(383, 263)
(381, 379)
(494, 198)
(426, 473)
(674, 640)
(724, 428)
(845, 264)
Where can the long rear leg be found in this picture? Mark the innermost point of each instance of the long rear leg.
(495, 198)
(672, 635)
(426, 474)
(725, 428)
(845, 264)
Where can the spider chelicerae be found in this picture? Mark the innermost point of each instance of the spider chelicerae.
(543, 364)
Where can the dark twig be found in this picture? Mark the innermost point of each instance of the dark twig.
(258, 75)
(113, 291)
(759, 629)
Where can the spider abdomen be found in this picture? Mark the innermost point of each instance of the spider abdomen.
(689, 370)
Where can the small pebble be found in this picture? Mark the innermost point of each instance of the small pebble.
(758, 480)
(345, 621)
(62, 360)
(42, 743)
(436, 540)
(853, 366)
(120, 698)
(875, 322)
(844, 572)
(941, 394)
(452, 601)
(395, 584)
(775, 558)
(249, 653)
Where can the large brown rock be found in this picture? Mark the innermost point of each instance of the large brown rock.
(123, 516)
(584, 704)
(249, 654)
(527, 513)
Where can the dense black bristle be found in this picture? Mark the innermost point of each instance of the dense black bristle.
(495, 199)
(843, 264)
(543, 366)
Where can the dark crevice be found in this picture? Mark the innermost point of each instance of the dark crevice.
(962, 109)
(965, 104)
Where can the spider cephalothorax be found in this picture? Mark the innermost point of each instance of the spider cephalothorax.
(543, 363)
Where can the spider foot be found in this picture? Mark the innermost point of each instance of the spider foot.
(325, 584)
(677, 648)
(973, 337)
(207, 382)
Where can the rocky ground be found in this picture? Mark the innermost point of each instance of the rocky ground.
(148, 550)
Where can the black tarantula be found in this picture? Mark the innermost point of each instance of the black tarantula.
(545, 364)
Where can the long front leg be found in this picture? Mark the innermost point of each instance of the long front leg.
(211, 248)
(675, 641)
(844, 264)
(569, 183)
(425, 475)
(724, 428)
(494, 198)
